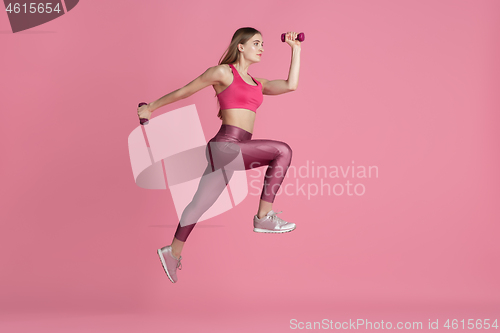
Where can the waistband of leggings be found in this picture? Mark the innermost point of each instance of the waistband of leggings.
(234, 131)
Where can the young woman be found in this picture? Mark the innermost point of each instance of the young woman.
(239, 95)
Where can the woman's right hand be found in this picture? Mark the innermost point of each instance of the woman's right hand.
(144, 112)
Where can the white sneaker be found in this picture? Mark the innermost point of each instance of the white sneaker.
(272, 224)
(169, 262)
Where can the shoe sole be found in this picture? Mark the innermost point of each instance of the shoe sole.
(164, 264)
(272, 231)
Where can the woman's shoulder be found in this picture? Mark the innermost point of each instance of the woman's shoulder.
(224, 68)
(219, 71)
(222, 74)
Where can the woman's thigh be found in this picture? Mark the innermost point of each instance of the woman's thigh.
(254, 153)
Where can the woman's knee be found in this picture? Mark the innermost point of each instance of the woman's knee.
(286, 150)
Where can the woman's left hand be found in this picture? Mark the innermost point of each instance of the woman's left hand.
(290, 39)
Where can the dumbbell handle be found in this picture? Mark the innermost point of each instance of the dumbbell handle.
(144, 121)
(300, 37)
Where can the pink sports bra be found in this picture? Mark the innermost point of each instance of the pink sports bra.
(241, 95)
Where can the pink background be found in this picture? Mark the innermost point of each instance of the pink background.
(408, 86)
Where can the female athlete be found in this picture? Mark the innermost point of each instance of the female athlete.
(239, 95)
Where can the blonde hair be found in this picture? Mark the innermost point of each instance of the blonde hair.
(241, 36)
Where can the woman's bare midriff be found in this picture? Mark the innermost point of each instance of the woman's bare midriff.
(242, 118)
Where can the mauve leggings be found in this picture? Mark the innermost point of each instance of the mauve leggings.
(223, 148)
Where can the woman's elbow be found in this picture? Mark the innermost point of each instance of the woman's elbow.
(183, 93)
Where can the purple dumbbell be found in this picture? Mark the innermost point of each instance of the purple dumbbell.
(144, 121)
(300, 37)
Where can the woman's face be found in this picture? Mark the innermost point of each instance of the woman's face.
(254, 48)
